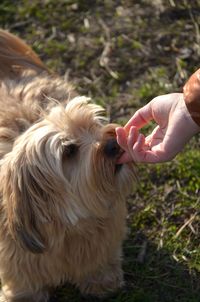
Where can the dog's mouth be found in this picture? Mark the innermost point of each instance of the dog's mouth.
(118, 166)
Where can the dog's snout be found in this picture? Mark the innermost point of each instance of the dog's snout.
(112, 149)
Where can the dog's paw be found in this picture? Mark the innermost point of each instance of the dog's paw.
(38, 297)
(2, 297)
(102, 285)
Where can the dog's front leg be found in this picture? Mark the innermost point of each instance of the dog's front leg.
(105, 281)
(9, 295)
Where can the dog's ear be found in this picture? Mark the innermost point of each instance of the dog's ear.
(23, 205)
(16, 55)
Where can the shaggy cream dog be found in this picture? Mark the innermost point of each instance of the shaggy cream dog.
(62, 211)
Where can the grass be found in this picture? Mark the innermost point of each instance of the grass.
(122, 54)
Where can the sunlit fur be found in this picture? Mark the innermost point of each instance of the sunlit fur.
(62, 211)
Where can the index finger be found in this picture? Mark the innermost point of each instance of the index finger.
(140, 118)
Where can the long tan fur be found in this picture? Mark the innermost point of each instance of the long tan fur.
(62, 211)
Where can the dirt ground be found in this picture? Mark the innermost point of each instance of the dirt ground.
(123, 54)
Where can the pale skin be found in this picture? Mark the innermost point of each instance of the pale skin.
(175, 127)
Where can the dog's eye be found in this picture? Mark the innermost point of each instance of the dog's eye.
(70, 150)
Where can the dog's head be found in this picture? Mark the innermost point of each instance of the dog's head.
(61, 170)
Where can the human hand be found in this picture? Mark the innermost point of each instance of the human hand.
(174, 129)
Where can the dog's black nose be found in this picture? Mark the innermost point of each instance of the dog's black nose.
(112, 149)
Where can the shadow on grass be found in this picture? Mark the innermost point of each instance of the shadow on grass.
(151, 275)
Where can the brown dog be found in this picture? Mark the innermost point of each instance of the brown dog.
(62, 213)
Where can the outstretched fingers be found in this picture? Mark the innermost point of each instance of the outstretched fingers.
(134, 144)
(137, 145)
(126, 143)
(137, 148)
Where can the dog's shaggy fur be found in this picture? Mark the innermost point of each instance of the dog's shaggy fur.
(62, 210)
